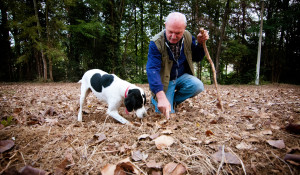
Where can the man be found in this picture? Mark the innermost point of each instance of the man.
(170, 67)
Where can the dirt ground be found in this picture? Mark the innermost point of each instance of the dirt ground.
(47, 136)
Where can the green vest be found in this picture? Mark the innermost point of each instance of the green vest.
(167, 64)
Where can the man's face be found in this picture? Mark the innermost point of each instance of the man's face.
(174, 30)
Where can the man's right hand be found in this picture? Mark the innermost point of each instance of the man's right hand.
(163, 104)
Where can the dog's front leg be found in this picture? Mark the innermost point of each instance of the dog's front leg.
(117, 116)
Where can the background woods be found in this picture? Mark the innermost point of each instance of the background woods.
(54, 40)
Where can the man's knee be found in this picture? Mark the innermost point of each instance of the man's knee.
(198, 86)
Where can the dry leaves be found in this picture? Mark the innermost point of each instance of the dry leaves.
(154, 165)
(243, 146)
(276, 143)
(6, 145)
(44, 125)
(138, 156)
(228, 157)
(29, 170)
(174, 169)
(163, 141)
(122, 167)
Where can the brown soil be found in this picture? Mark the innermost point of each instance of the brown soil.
(47, 135)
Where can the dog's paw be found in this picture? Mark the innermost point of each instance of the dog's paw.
(130, 124)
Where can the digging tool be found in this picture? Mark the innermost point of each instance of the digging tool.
(219, 104)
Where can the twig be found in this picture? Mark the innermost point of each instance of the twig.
(138, 168)
(243, 166)
(222, 161)
(22, 157)
(11, 161)
(282, 161)
(73, 148)
(219, 104)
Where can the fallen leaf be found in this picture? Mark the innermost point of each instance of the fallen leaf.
(63, 167)
(193, 138)
(247, 116)
(125, 165)
(50, 111)
(97, 138)
(276, 143)
(51, 122)
(252, 140)
(6, 145)
(243, 145)
(156, 172)
(229, 158)
(174, 169)
(213, 122)
(250, 127)
(17, 111)
(209, 133)
(124, 148)
(274, 127)
(138, 155)
(235, 136)
(163, 141)
(108, 169)
(267, 132)
(143, 136)
(153, 164)
(29, 170)
(167, 131)
(154, 136)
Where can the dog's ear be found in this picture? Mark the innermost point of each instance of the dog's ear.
(129, 102)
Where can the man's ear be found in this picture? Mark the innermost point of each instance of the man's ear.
(129, 102)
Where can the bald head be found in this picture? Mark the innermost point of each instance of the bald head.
(175, 26)
(177, 18)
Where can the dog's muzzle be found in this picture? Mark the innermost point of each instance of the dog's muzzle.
(140, 113)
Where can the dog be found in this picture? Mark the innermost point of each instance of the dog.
(112, 90)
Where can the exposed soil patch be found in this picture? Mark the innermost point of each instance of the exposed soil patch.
(41, 119)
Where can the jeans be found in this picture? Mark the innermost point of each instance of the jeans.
(184, 87)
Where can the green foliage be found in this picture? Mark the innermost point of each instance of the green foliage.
(79, 35)
(234, 52)
(7, 122)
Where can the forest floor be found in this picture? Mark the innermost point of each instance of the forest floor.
(250, 136)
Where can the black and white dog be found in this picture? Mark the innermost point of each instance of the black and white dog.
(112, 90)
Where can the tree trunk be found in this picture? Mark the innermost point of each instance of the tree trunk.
(40, 42)
(142, 34)
(48, 40)
(160, 16)
(136, 39)
(224, 23)
(5, 50)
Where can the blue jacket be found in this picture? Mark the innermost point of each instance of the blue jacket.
(154, 63)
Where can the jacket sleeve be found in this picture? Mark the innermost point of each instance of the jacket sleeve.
(153, 67)
(197, 50)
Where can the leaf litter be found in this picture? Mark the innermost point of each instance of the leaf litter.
(47, 137)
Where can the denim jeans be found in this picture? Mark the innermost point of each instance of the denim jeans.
(184, 87)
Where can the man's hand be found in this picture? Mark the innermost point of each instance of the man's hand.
(163, 104)
(202, 36)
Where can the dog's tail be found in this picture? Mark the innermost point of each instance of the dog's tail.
(80, 81)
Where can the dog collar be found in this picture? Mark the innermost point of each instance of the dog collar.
(126, 93)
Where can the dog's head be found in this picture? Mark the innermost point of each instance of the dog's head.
(136, 100)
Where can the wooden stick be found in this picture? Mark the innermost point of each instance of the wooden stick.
(219, 104)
